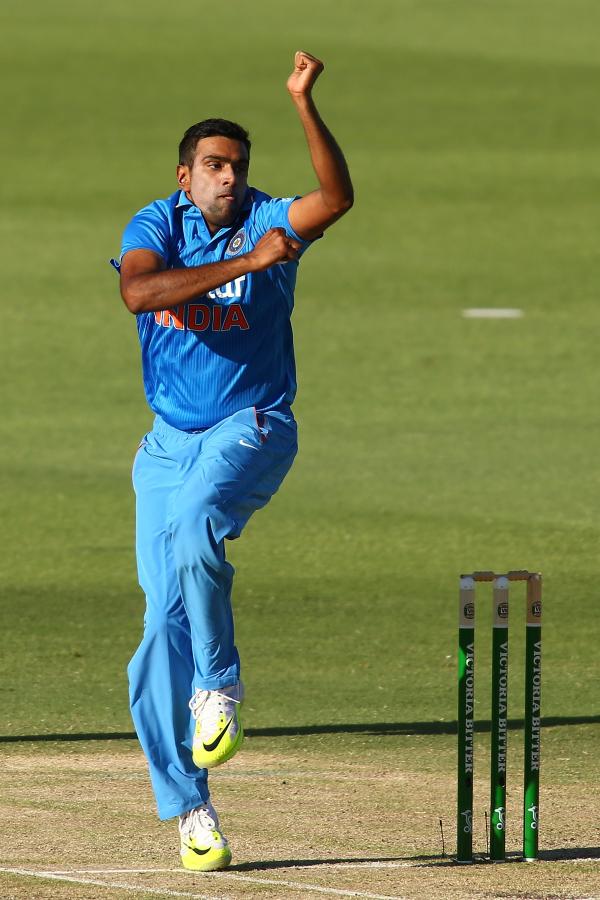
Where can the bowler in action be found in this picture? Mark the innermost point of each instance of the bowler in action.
(209, 274)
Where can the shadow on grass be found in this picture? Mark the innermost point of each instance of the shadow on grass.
(373, 728)
(266, 865)
(567, 853)
(558, 854)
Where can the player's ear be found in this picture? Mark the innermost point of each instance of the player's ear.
(183, 177)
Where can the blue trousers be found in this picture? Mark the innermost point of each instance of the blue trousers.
(193, 490)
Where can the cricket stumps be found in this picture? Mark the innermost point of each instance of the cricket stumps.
(499, 720)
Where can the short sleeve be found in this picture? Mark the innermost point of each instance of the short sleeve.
(275, 214)
(148, 230)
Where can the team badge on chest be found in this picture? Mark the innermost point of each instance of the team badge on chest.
(236, 243)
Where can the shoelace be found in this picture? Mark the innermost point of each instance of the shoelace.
(199, 702)
(198, 819)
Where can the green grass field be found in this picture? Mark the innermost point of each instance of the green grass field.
(430, 444)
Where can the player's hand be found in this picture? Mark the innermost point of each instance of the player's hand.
(273, 247)
(307, 69)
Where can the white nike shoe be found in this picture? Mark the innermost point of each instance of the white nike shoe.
(219, 733)
(204, 847)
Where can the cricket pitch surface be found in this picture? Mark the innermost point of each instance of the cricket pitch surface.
(78, 823)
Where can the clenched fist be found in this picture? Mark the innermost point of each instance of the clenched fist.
(274, 247)
(307, 69)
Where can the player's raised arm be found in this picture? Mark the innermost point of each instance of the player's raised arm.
(313, 213)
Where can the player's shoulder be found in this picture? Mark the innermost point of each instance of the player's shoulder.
(161, 211)
(268, 211)
(259, 198)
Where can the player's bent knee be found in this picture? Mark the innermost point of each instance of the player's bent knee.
(199, 537)
(166, 625)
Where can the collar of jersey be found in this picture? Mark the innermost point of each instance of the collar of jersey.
(188, 208)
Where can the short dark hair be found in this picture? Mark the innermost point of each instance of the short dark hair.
(210, 128)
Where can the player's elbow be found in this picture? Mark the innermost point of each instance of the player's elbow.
(343, 203)
(132, 297)
(347, 203)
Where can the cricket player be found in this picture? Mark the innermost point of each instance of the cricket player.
(209, 274)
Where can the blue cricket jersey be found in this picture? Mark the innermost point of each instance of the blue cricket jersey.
(231, 348)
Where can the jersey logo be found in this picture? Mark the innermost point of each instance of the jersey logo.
(236, 243)
(203, 317)
(208, 316)
(252, 447)
(229, 291)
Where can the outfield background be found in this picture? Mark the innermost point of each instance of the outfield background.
(430, 444)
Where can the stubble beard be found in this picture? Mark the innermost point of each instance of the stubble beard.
(219, 216)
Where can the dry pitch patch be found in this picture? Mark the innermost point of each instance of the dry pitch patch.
(301, 825)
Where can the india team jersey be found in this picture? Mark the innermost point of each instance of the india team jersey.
(231, 348)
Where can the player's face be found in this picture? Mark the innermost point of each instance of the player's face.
(216, 182)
